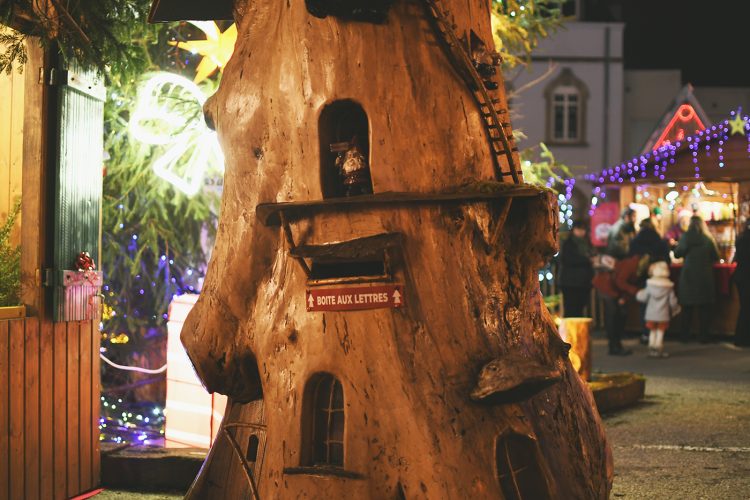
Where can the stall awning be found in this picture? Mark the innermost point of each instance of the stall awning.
(190, 10)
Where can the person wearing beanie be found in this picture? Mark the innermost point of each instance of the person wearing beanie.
(661, 306)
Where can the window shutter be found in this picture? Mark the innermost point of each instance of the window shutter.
(76, 204)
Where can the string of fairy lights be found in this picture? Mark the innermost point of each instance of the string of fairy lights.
(705, 141)
(124, 421)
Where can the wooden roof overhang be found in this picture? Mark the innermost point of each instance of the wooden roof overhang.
(190, 10)
(715, 154)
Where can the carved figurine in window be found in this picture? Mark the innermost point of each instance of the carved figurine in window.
(353, 168)
(485, 63)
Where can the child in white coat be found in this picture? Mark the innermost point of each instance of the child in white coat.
(661, 306)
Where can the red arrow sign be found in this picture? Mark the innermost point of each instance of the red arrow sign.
(355, 298)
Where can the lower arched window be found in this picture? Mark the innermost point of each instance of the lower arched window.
(518, 468)
(323, 435)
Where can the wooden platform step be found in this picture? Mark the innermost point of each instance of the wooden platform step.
(268, 213)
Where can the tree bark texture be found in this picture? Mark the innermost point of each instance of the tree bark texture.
(412, 429)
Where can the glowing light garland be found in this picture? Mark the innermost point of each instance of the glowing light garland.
(654, 165)
(123, 421)
(168, 113)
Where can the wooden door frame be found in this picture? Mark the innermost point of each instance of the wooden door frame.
(34, 178)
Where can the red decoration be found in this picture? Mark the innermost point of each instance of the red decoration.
(604, 216)
(684, 122)
(84, 262)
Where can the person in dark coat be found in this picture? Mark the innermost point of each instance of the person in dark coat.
(741, 278)
(648, 242)
(577, 271)
(697, 288)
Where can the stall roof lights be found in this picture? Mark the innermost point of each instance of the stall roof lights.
(709, 142)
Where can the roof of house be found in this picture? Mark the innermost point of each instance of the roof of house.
(190, 10)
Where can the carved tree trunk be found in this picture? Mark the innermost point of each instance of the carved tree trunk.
(465, 391)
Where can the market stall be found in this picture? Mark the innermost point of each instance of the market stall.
(707, 174)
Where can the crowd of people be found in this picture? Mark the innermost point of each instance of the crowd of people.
(635, 268)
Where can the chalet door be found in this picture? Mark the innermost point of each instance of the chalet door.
(77, 143)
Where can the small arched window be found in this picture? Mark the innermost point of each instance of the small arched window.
(518, 469)
(323, 432)
(566, 109)
(252, 449)
(344, 132)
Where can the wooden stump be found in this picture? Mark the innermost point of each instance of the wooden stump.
(376, 402)
(577, 332)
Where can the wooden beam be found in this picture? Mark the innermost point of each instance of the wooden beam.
(268, 213)
(33, 179)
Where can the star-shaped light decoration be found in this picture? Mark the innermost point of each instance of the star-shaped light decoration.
(738, 124)
(216, 49)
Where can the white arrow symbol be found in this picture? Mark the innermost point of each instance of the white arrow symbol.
(396, 298)
(310, 301)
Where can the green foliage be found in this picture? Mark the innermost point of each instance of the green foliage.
(519, 25)
(10, 261)
(15, 51)
(151, 247)
(107, 34)
(541, 169)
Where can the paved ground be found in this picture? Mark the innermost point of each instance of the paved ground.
(690, 437)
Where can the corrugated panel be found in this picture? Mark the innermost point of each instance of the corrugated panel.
(78, 185)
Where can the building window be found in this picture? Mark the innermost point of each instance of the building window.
(566, 114)
(323, 436)
(518, 468)
(566, 109)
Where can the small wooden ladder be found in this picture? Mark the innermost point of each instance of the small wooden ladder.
(500, 143)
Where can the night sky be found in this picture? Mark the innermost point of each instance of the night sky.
(707, 40)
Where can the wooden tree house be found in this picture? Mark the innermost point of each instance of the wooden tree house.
(391, 343)
(51, 121)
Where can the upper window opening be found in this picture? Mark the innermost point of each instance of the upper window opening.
(518, 469)
(566, 102)
(323, 436)
(371, 11)
(344, 150)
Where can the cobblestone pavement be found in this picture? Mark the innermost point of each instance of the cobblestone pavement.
(690, 437)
